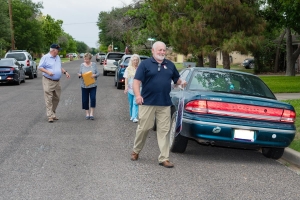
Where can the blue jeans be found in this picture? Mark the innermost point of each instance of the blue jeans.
(133, 107)
(87, 94)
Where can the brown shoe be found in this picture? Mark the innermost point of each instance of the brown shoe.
(134, 156)
(55, 118)
(167, 164)
(50, 120)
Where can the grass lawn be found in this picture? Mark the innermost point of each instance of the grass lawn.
(278, 84)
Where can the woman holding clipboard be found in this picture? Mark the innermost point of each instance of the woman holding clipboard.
(88, 74)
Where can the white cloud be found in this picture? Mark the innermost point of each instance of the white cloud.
(79, 16)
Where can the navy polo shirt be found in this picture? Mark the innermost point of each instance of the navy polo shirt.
(156, 85)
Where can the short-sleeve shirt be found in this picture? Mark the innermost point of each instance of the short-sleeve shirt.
(156, 84)
(93, 69)
(52, 64)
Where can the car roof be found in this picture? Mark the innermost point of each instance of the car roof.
(218, 70)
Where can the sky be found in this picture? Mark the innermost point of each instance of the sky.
(80, 16)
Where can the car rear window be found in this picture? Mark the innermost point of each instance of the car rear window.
(114, 56)
(17, 56)
(230, 83)
(6, 63)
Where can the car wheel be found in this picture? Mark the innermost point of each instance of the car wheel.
(18, 82)
(119, 85)
(104, 73)
(36, 74)
(178, 143)
(31, 75)
(271, 152)
(251, 66)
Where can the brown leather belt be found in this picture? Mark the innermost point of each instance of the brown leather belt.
(50, 79)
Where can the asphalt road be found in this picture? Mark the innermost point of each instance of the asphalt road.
(75, 158)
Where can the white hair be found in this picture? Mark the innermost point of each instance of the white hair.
(157, 43)
(51, 49)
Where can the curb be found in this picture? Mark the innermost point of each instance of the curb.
(291, 156)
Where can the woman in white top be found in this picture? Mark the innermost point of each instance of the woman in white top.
(129, 76)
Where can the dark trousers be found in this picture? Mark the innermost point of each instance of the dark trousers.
(87, 94)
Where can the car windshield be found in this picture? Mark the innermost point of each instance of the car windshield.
(113, 56)
(17, 56)
(227, 82)
(6, 63)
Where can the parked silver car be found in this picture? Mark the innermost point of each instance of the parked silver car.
(23, 57)
(108, 63)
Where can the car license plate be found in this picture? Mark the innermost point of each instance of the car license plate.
(240, 134)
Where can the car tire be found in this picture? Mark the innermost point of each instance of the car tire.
(178, 143)
(36, 74)
(31, 75)
(119, 85)
(271, 152)
(18, 82)
(104, 73)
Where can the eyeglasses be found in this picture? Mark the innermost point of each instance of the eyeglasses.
(158, 69)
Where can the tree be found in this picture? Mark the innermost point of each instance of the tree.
(52, 30)
(27, 29)
(81, 47)
(285, 14)
(4, 27)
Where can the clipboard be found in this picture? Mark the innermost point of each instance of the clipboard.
(87, 78)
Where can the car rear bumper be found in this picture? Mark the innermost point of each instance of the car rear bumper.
(8, 78)
(109, 69)
(223, 134)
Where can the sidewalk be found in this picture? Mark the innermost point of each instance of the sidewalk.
(290, 155)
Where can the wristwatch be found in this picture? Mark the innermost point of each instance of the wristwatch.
(65, 72)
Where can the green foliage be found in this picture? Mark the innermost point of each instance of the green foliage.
(27, 30)
(4, 27)
(81, 47)
(52, 30)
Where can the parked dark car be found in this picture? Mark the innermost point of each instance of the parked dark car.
(121, 66)
(11, 71)
(248, 63)
(25, 58)
(232, 109)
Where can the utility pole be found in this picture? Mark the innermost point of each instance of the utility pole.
(11, 26)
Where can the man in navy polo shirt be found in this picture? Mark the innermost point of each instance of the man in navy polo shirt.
(50, 65)
(155, 74)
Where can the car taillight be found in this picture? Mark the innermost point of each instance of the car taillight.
(288, 116)
(198, 106)
(104, 62)
(240, 110)
(27, 63)
(122, 66)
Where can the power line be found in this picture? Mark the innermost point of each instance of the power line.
(81, 23)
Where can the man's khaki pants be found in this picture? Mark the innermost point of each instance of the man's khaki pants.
(52, 92)
(147, 115)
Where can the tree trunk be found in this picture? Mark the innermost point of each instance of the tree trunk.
(278, 51)
(290, 65)
(226, 60)
(212, 60)
(200, 61)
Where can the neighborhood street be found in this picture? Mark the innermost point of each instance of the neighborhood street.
(76, 159)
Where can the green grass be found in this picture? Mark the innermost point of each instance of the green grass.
(296, 142)
(282, 84)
